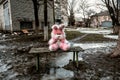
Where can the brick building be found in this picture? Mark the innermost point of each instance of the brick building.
(16, 15)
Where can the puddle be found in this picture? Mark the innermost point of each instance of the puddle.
(64, 59)
(3, 67)
(61, 73)
(3, 46)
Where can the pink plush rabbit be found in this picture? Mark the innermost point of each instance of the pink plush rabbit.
(58, 39)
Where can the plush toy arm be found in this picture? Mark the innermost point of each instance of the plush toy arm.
(64, 41)
(67, 42)
(51, 41)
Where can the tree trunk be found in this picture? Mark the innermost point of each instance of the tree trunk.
(116, 29)
(46, 21)
(36, 15)
(53, 12)
(46, 33)
(116, 51)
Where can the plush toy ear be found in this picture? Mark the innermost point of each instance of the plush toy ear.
(62, 26)
(54, 27)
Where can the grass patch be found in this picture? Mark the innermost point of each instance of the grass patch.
(69, 35)
(73, 34)
(95, 37)
(113, 34)
(26, 38)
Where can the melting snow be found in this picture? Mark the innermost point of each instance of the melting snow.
(105, 32)
(3, 67)
(95, 45)
(95, 30)
(111, 36)
(64, 59)
(2, 46)
(59, 73)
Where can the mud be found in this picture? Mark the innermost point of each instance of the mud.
(94, 63)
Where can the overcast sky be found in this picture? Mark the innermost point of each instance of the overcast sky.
(94, 6)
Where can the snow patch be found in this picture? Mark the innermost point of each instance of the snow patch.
(111, 36)
(2, 46)
(95, 45)
(95, 30)
(3, 67)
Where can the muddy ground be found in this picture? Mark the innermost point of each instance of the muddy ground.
(17, 64)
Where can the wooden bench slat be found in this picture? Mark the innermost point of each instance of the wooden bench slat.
(39, 50)
(46, 50)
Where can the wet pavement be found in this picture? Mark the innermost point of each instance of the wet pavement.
(94, 64)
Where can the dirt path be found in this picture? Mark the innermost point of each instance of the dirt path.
(79, 38)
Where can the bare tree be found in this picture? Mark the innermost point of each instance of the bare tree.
(67, 9)
(46, 3)
(64, 7)
(71, 12)
(53, 11)
(83, 8)
(45, 21)
(100, 6)
(36, 8)
(113, 7)
(89, 13)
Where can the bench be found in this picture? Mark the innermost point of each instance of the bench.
(41, 50)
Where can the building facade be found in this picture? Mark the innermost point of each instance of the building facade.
(19, 14)
(101, 19)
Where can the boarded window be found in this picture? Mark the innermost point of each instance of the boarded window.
(26, 25)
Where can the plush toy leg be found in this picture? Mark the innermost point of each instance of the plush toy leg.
(64, 46)
(53, 47)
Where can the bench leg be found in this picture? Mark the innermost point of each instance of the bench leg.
(77, 58)
(74, 56)
(37, 63)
